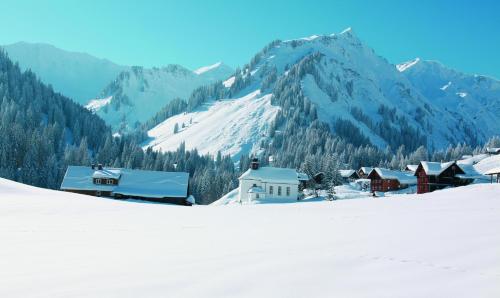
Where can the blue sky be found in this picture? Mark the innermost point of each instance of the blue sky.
(461, 34)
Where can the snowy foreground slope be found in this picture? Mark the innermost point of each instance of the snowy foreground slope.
(443, 244)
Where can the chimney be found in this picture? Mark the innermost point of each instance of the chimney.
(255, 164)
(271, 160)
(99, 167)
(93, 166)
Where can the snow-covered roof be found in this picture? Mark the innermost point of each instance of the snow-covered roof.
(303, 177)
(346, 173)
(412, 168)
(402, 177)
(271, 174)
(493, 171)
(366, 170)
(147, 184)
(493, 149)
(435, 168)
(487, 164)
(107, 173)
(470, 172)
(472, 159)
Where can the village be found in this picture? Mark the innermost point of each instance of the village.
(268, 184)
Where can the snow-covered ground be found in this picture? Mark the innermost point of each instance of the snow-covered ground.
(443, 244)
(233, 126)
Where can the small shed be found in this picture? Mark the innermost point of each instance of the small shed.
(363, 172)
(349, 175)
(494, 172)
(493, 150)
(411, 168)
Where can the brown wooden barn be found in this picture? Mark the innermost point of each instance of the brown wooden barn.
(435, 175)
(389, 180)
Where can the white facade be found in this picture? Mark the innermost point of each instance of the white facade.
(268, 183)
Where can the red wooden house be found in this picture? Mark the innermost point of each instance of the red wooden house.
(436, 175)
(387, 180)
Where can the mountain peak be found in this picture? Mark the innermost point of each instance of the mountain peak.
(347, 31)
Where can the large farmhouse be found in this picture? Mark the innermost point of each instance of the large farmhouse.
(436, 175)
(268, 183)
(389, 180)
(166, 187)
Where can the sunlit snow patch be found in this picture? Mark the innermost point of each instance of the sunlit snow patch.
(229, 82)
(203, 69)
(96, 104)
(445, 86)
(404, 66)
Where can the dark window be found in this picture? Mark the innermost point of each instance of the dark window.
(279, 190)
(271, 190)
(288, 191)
(98, 181)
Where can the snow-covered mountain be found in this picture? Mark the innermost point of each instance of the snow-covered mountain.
(359, 93)
(77, 75)
(139, 93)
(472, 99)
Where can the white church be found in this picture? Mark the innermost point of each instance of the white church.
(259, 183)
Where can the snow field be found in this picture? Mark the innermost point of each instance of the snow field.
(232, 126)
(442, 244)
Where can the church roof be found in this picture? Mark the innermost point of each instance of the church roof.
(272, 174)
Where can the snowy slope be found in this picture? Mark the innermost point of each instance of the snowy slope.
(138, 94)
(232, 126)
(443, 244)
(77, 75)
